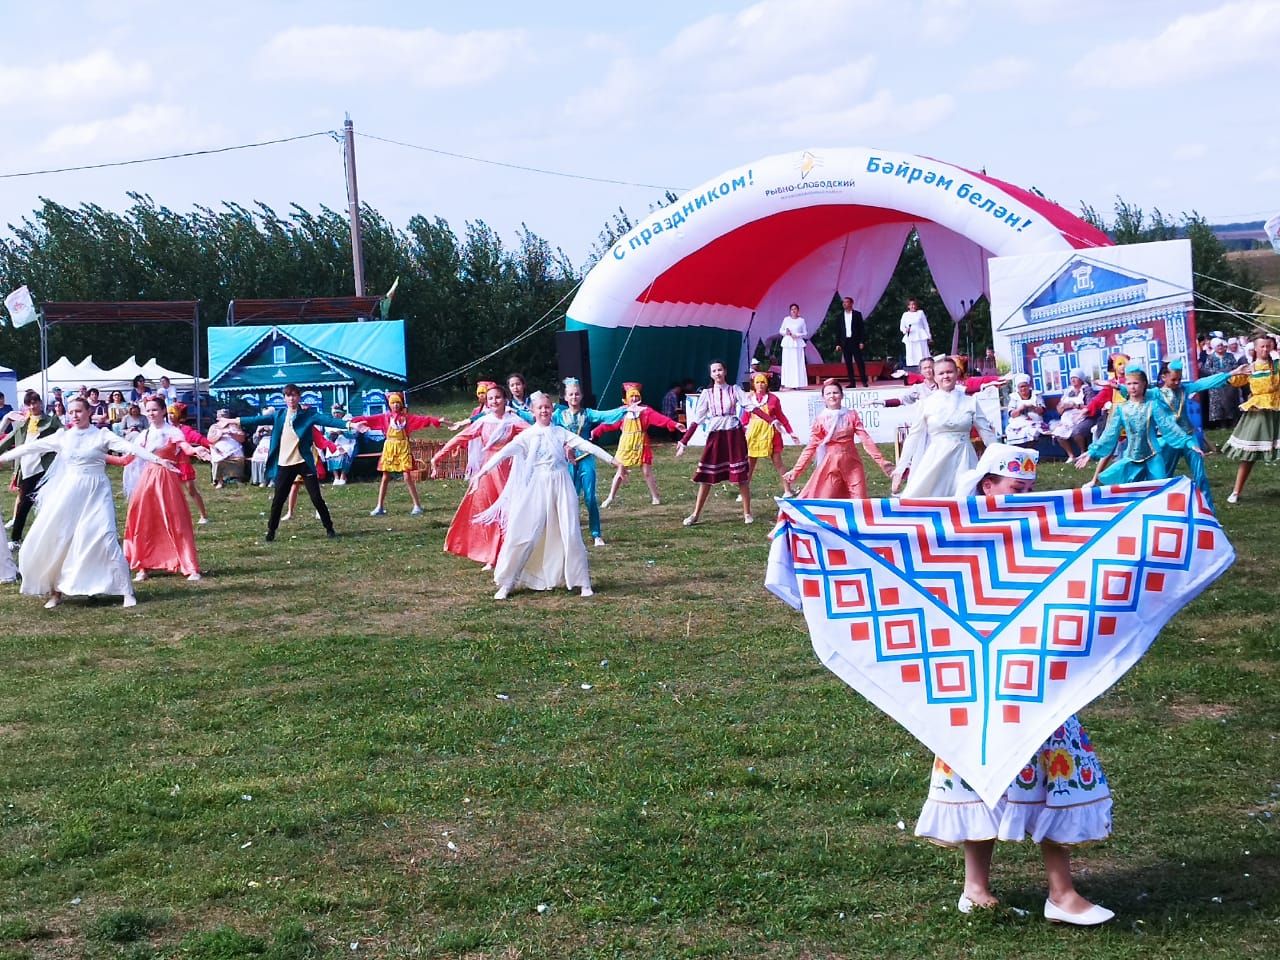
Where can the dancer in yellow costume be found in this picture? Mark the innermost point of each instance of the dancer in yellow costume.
(633, 448)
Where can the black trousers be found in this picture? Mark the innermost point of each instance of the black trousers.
(26, 500)
(284, 482)
(853, 354)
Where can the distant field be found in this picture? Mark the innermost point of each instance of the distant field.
(1264, 265)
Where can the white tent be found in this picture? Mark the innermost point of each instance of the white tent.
(9, 387)
(153, 372)
(71, 376)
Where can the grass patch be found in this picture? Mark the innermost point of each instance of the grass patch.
(334, 743)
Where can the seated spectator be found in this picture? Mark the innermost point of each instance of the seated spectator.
(60, 411)
(97, 409)
(139, 391)
(227, 452)
(258, 463)
(133, 422)
(116, 409)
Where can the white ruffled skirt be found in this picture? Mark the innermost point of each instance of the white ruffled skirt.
(1061, 795)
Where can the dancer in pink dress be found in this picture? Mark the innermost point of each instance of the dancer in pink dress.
(834, 436)
(158, 534)
(493, 431)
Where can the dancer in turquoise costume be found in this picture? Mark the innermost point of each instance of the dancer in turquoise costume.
(580, 420)
(1177, 395)
(1151, 432)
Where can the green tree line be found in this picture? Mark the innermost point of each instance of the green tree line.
(460, 296)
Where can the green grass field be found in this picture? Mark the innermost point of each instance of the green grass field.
(347, 748)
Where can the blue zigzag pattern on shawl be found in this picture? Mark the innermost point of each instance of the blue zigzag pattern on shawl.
(935, 519)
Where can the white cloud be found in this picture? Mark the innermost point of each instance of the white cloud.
(878, 118)
(998, 75)
(1190, 151)
(98, 76)
(1268, 175)
(145, 128)
(1236, 34)
(425, 58)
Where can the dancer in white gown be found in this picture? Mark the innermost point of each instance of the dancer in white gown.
(794, 333)
(73, 549)
(542, 547)
(938, 446)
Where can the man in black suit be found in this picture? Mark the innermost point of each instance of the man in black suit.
(853, 335)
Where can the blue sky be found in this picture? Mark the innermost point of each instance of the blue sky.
(1166, 103)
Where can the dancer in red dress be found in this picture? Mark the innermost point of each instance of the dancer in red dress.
(158, 534)
(466, 538)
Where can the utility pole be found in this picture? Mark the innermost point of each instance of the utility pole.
(353, 204)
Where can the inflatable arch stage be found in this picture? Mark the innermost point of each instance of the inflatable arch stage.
(713, 273)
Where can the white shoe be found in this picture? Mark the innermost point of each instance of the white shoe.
(9, 525)
(486, 568)
(194, 577)
(415, 512)
(655, 501)
(317, 514)
(738, 498)
(340, 482)
(690, 520)
(378, 512)
(202, 521)
(14, 545)
(965, 905)
(1233, 498)
(53, 601)
(1092, 917)
(129, 601)
(287, 516)
(748, 518)
(599, 541)
(502, 594)
(140, 576)
(588, 592)
(606, 503)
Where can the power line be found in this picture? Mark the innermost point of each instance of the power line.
(516, 166)
(169, 156)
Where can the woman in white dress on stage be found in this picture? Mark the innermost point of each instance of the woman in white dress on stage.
(915, 334)
(795, 333)
(938, 445)
(542, 547)
(73, 549)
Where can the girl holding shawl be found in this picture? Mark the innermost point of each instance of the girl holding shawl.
(634, 449)
(1059, 799)
(397, 424)
(538, 510)
(490, 433)
(834, 436)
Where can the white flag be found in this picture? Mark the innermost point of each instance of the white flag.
(20, 307)
(1272, 228)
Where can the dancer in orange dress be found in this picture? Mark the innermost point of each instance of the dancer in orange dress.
(834, 436)
(158, 534)
(490, 433)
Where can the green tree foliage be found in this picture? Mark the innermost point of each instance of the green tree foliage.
(1225, 294)
(461, 298)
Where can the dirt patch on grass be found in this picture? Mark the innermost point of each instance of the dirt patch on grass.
(1187, 712)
